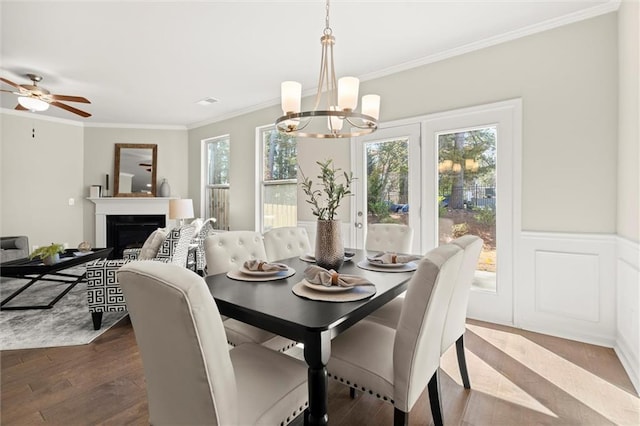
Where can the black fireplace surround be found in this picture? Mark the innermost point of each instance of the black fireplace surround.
(130, 231)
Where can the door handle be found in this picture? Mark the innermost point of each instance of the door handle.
(358, 225)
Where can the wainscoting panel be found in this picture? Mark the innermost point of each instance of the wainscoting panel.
(567, 276)
(566, 286)
(628, 304)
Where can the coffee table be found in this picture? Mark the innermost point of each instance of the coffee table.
(36, 271)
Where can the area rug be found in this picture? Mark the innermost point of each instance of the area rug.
(68, 323)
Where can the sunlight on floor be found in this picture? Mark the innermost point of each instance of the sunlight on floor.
(599, 395)
(492, 380)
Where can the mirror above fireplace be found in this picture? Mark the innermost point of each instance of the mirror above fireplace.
(135, 170)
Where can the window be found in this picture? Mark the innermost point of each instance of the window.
(278, 205)
(216, 184)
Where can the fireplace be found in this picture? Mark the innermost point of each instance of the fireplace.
(126, 206)
(130, 231)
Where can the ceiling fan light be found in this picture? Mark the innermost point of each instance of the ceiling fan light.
(33, 104)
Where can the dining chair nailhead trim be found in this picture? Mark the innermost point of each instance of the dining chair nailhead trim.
(362, 388)
(294, 414)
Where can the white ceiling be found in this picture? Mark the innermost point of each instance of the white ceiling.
(148, 62)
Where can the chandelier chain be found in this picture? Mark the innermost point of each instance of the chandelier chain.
(326, 19)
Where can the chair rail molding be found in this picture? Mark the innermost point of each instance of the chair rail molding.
(106, 206)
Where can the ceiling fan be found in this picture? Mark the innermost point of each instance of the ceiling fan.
(34, 98)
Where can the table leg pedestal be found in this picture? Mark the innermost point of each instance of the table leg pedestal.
(317, 349)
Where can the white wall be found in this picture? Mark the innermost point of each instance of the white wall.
(42, 168)
(99, 158)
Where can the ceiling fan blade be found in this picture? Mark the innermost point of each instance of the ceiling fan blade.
(70, 98)
(8, 91)
(20, 108)
(71, 109)
(10, 83)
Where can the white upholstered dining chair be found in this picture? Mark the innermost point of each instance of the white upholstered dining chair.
(191, 376)
(454, 329)
(397, 365)
(225, 252)
(390, 237)
(286, 242)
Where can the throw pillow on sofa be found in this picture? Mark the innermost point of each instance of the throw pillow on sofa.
(151, 246)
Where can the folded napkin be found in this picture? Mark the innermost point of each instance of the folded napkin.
(261, 265)
(317, 275)
(391, 258)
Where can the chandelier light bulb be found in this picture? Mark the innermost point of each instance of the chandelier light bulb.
(371, 105)
(348, 93)
(291, 93)
(334, 123)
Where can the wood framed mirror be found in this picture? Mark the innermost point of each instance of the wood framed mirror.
(135, 170)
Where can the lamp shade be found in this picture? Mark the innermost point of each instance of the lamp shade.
(181, 209)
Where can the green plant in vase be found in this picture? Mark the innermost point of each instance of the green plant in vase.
(325, 202)
(48, 254)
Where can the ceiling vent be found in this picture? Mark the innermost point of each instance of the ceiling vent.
(207, 101)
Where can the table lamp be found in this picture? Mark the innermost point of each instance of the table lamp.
(181, 209)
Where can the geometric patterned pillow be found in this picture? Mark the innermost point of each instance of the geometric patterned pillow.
(175, 247)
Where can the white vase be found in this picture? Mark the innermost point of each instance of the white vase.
(164, 190)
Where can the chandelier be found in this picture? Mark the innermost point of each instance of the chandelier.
(339, 103)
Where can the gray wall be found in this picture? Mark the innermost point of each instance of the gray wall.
(39, 175)
(99, 159)
(629, 122)
(567, 78)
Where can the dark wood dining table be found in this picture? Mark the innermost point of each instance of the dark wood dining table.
(272, 306)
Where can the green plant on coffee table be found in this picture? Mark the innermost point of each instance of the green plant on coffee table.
(333, 191)
(47, 251)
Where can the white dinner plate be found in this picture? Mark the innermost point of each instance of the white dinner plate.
(387, 265)
(244, 270)
(324, 288)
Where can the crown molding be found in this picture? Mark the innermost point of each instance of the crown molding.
(135, 126)
(35, 116)
(571, 18)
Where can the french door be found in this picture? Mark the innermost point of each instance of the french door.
(471, 165)
(446, 175)
(387, 189)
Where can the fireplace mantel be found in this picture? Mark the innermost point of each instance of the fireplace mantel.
(125, 205)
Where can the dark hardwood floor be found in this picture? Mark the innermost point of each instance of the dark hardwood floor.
(517, 378)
